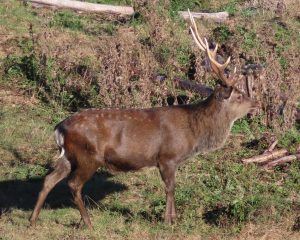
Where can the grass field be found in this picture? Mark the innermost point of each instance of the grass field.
(54, 63)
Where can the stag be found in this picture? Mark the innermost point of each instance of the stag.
(131, 139)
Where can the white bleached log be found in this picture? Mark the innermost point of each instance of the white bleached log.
(218, 17)
(85, 6)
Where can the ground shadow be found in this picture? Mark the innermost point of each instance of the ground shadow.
(23, 194)
(296, 226)
(149, 216)
(214, 216)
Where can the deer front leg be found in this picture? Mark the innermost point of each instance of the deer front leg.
(167, 172)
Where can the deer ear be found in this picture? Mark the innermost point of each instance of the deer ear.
(223, 93)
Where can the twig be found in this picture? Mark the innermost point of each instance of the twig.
(271, 147)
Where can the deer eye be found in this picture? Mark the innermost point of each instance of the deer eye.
(239, 97)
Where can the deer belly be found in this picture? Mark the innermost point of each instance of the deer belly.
(127, 161)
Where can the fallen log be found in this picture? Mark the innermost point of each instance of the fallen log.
(218, 17)
(85, 6)
(201, 89)
(281, 161)
(263, 158)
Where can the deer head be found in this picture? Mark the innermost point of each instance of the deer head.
(233, 100)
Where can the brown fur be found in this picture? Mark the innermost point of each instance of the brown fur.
(125, 140)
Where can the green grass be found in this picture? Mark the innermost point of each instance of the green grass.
(86, 24)
(250, 40)
(177, 5)
(163, 53)
(290, 139)
(33, 124)
(68, 19)
(16, 17)
(222, 33)
(283, 37)
(249, 12)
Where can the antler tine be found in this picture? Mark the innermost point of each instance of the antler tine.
(217, 68)
(212, 55)
(195, 34)
(214, 52)
(196, 40)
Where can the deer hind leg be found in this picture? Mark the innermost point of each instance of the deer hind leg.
(76, 183)
(61, 170)
(168, 176)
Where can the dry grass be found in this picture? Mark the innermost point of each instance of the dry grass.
(270, 231)
(14, 97)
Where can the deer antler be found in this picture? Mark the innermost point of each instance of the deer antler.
(217, 68)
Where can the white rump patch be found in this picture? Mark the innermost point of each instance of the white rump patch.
(59, 139)
(62, 153)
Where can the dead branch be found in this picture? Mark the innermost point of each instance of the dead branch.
(85, 6)
(249, 81)
(281, 161)
(203, 90)
(271, 147)
(218, 17)
(263, 158)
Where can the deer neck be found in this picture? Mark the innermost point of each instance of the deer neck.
(211, 125)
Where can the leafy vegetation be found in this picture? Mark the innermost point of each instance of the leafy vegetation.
(222, 33)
